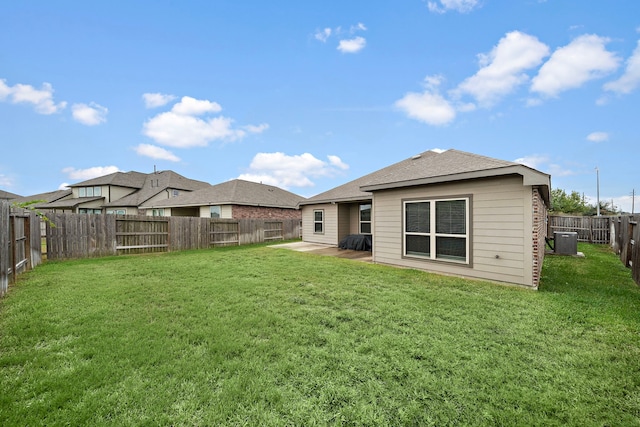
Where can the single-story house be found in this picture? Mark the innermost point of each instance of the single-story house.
(122, 193)
(448, 212)
(234, 199)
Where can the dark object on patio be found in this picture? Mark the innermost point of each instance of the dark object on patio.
(356, 242)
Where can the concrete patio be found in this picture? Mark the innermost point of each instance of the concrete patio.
(328, 250)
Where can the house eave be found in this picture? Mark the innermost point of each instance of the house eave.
(530, 177)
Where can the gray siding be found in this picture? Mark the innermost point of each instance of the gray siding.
(501, 223)
(330, 235)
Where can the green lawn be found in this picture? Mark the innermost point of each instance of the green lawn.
(261, 336)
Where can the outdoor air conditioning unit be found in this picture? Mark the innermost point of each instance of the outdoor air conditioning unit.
(565, 242)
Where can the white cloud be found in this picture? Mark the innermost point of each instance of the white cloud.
(41, 99)
(630, 80)
(428, 107)
(534, 161)
(256, 128)
(156, 152)
(323, 34)
(503, 68)
(438, 150)
(154, 100)
(353, 45)
(462, 6)
(181, 127)
(598, 137)
(286, 171)
(584, 59)
(358, 27)
(63, 186)
(5, 181)
(89, 173)
(90, 115)
(337, 162)
(189, 106)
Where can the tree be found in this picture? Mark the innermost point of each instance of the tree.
(573, 203)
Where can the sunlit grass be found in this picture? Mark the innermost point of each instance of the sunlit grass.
(262, 336)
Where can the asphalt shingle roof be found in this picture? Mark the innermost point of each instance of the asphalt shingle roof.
(424, 168)
(235, 192)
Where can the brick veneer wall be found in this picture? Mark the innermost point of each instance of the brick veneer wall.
(255, 212)
(539, 233)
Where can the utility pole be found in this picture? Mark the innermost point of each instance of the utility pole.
(598, 191)
(633, 201)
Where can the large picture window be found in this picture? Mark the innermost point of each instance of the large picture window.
(318, 221)
(365, 219)
(437, 229)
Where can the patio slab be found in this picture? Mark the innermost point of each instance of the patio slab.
(327, 250)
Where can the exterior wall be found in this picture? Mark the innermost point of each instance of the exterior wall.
(113, 193)
(344, 220)
(330, 235)
(501, 247)
(255, 212)
(539, 233)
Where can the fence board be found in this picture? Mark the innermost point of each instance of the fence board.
(591, 229)
(5, 247)
(82, 235)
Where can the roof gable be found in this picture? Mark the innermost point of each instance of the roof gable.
(430, 167)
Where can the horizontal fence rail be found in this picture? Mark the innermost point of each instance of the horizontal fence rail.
(82, 235)
(20, 244)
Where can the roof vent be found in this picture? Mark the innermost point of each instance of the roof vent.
(416, 157)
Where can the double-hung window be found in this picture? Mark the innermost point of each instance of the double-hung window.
(365, 219)
(318, 221)
(437, 229)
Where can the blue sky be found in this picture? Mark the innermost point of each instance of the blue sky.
(310, 95)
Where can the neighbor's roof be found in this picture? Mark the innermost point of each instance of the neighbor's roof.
(69, 203)
(5, 195)
(235, 192)
(432, 167)
(155, 183)
(121, 179)
(48, 197)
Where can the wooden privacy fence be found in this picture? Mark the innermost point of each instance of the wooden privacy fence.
(19, 243)
(591, 229)
(82, 235)
(626, 243)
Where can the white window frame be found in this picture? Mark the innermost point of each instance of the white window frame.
(316, 222)
(157, 212)
(215, 211)
(362, 207)
(433, 234)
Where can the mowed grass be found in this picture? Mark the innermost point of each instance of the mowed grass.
(263, 336)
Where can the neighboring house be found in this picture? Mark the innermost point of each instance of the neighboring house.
(452, 212)
(5, 195)
(122, 193)
(236, 199)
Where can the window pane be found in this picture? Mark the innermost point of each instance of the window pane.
(365, 228)
(97, 191)
(215, 211)
(317, 215)
(365, 212)
(450, 217)
(418, 245)
(89, 191)
(82, 192)
(417, 217)
(317, 227)
(453, 248)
